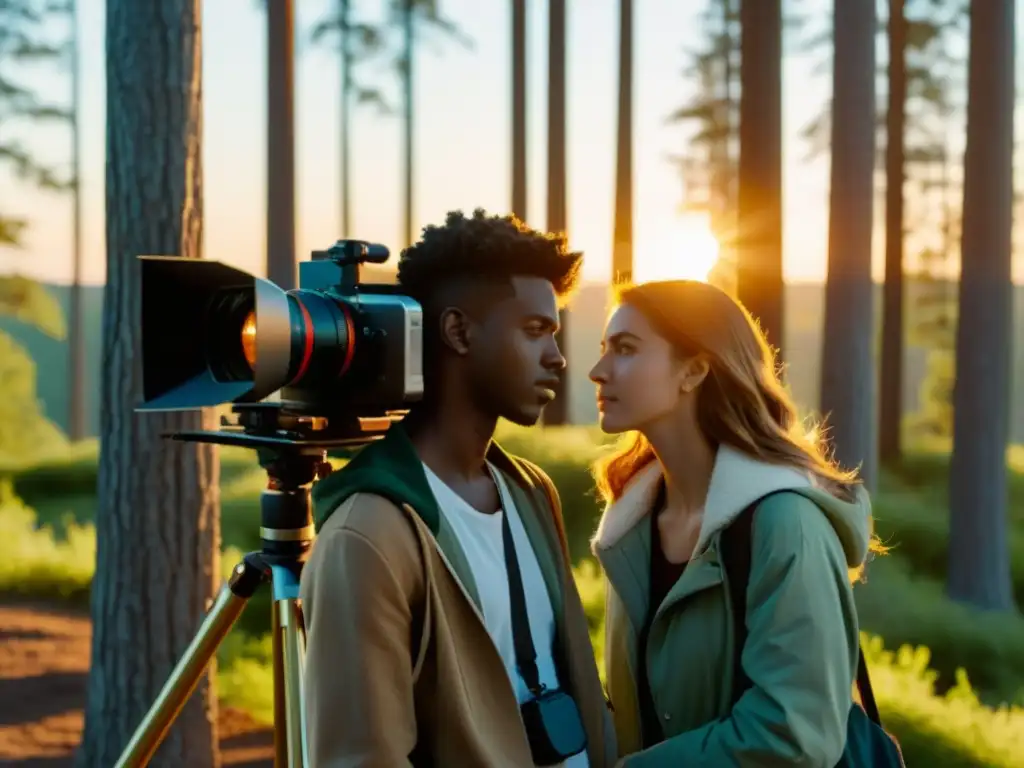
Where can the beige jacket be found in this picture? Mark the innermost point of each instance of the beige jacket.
(400, 669)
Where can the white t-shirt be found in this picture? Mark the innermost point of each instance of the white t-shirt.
(480, 535)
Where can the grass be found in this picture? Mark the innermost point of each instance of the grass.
(923, 649)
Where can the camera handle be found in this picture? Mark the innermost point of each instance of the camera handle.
(286, 535)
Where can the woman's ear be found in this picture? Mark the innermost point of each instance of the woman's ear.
(695, 370)
(454, 328)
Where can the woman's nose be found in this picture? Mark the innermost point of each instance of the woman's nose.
(597, 374)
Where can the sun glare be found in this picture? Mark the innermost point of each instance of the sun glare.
(688, 252)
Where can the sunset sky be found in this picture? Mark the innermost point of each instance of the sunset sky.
(462, 137)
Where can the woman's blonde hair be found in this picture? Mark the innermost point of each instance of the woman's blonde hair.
(741, 402)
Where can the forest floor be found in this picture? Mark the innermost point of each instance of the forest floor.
(44, 663)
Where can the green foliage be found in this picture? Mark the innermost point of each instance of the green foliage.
(922, 687)
(30, 303)
(913, 513)
(24, 431)
(907, 607)
(36, 562)
(953, 730)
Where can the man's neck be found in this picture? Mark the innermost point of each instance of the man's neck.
(452, 439)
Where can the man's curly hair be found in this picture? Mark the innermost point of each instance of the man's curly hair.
(486, 247)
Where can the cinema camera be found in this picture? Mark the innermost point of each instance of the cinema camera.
(329, 365)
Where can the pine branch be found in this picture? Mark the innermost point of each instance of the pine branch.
(23, 44)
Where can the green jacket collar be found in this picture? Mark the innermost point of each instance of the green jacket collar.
(390, 467)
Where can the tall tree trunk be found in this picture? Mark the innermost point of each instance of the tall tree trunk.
(519, 108)
(158, 515)
(622, 247)
(557, 411)
(281, 264)
(979, 564)
(76, 331)
(407, 105)
(759, 240)
(344, 121)
(723, 210)
(890, 419)
(847, 363)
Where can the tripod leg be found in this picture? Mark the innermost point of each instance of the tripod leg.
(183, 679)
(290, 642)
(280, 707)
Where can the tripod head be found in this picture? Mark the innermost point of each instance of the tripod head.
(291, 446)
(288, 428)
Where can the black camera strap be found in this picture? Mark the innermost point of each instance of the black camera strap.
(526, 654)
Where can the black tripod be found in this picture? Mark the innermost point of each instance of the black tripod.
(286, 533)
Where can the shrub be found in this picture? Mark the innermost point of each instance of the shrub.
(910, 608)
(913, 513)
(73, 471)
(35, 562)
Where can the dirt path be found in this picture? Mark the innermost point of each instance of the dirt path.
(44, 659)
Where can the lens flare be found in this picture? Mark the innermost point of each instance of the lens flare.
(249, 339)
(686, 251)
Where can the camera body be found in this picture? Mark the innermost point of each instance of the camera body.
(334, 348)
(386, 343)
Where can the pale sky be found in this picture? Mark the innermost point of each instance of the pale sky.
(462, 137)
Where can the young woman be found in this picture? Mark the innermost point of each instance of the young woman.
(688, 376)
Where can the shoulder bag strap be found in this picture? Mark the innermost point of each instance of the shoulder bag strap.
(526, 654)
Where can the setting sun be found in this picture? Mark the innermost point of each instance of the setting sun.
(688, 251)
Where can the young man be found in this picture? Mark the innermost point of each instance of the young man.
(443, 624)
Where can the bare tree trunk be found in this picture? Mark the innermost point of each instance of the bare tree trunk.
(759, 284)
(519, 165)
(979, 558)
(281, 263)
(76, 331)
(890, 420)
(407, 104)
(344, 121)
(557, 411)
(158, 516)
(622, 246)
(847, 364)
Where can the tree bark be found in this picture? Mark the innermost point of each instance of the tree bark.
(281, 264)
(890, 421)
(77, 426)
(557, 412)
(344, 119)
(759, 283)
(519, 164)
(847, 363)
(158, 516)
(979, 557)
(408, 138)
(622, 246)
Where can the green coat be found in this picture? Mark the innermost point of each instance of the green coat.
(802, 649)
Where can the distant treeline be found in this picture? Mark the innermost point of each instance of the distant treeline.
(802, 350)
